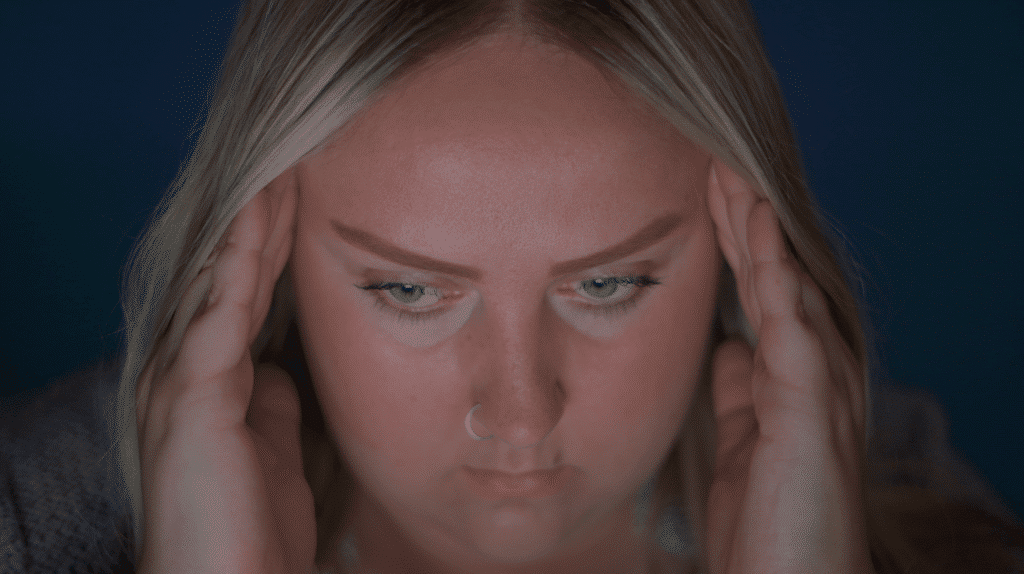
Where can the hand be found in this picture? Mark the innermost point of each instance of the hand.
(222, 482)
(786, 495)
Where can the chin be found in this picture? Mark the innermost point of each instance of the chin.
(518, 532)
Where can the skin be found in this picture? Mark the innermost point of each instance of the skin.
(509, 157)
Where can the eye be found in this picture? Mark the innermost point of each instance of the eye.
(602, 288)
(407, 300)
(408, 293)
(614, 294)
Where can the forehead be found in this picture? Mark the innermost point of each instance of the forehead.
(504, 132)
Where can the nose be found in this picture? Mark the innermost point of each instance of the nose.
(520, 395)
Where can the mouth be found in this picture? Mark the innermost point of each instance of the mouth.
(535, 484)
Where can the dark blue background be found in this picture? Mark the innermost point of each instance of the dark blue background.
(907, 112)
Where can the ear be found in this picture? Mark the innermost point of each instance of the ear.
(730, 200)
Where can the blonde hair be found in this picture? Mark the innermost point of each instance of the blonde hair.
(296, 71)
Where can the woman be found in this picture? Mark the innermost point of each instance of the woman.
(533, 274)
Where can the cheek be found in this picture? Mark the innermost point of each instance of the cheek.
(651, 369)
(679, 332)
(380, 408)
(333, 333)
(419, 334)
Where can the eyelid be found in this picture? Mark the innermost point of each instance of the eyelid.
(407, 275)
(639, 287)
(620, 270)
(638, 277)
(627, 268)
(386, 303)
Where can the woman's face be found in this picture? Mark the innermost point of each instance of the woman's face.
(487, 232)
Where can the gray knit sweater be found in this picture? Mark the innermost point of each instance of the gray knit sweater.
(62, 509)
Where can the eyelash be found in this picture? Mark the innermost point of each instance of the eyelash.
(642, 283)
(413, 316)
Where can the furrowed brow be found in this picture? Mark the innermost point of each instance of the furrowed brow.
(648, 235)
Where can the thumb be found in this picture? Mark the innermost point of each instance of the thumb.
(275, 417)
(732, 369)
(274, 414)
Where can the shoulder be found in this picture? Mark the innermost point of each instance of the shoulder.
(909, 445)
(933, 511)
(61, 503)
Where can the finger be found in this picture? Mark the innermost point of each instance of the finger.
(732, 366)
(731, 200)
(275, 413)
(236, 269)
(283, 202)
(718, 204)
(274, 418)
(777, 286)
(225, 306)
(735, 420)
(847, 406)
(736, 425)
(843, 365)
(793, 354)
(192, 304)
(211, 376)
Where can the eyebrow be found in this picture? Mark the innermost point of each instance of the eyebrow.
(650, 234)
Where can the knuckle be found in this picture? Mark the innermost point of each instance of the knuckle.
(813, 301)
(795, 351)
(776, 285)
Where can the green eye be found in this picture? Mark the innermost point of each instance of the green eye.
(601, 288)
(613, 295)
(407, 293)
(407, 300)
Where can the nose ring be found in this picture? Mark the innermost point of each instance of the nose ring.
(469, 425)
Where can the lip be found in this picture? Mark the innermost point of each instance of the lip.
(497, 485)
